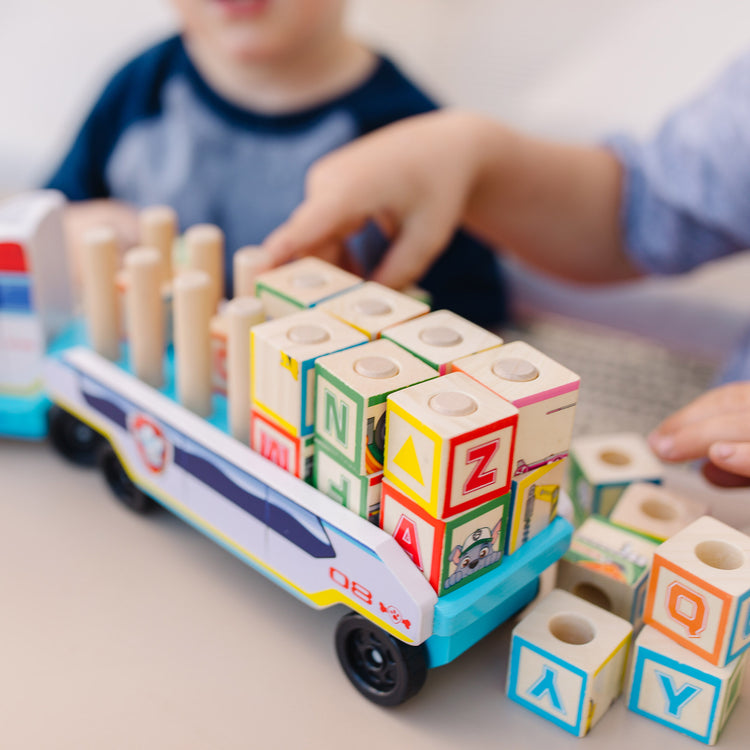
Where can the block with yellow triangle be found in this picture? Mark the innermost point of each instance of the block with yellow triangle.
(449, 553)
(449, 444)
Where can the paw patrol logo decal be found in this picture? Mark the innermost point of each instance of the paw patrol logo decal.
(153, 447)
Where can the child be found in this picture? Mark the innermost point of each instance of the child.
(591, 214)
(222, 123)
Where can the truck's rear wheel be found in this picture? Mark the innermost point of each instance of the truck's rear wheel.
(123, 487)
(72, 438)
(385, 670)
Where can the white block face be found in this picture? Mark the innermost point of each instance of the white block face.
(283, 354)
(678, 689)
(219, 331)
(351, 391)
(699, 591)
(441, 337)
(301, 284)
(545, 393)
(568, 661)
(372, 307)
(534, 504)
(22, 347)
(449, 444)
(361, 494)
(653, 510)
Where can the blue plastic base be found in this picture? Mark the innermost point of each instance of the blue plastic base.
(467, 615)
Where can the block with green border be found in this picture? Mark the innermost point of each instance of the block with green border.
(350, 400)
(361, 494)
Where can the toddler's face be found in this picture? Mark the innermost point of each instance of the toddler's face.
(257, 30)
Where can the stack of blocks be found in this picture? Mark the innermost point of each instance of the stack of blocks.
(603, 466)
(689, 659)
(568, 660)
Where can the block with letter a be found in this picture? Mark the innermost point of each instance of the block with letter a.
(699, 591)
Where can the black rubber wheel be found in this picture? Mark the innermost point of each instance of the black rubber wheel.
(385, 670)
(73, 439)
(121, 484)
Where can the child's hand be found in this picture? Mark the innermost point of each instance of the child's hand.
(412, 178)
(715, 426)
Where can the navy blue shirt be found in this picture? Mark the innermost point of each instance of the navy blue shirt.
(160, 135)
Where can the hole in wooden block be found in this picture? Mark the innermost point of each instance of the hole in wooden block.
(308, 280)
(655, 508)
(372, 306)
(718, 554)
(593, 594)
(572, 629)
(614, 457)
(307, 334)
(440, 336)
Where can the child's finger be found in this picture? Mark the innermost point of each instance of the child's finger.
(693, 439)
(733, 457)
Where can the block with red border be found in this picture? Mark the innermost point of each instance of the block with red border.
(544, 392)
(359, 493)
(441, 337)
(351, 390)
(293, 454)
(450, 553)
(301, 284)
(699, 591)
(534, 502)
(449, 444)
(219, 332)
(283, 354)
(372, 307)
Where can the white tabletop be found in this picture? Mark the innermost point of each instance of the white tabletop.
(121, 631)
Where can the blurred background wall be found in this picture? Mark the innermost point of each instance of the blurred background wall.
(574, 68)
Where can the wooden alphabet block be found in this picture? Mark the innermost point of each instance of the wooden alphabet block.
(283, 354)
(608, 566)
(292, 453)
(534, 502)
(652, 510)
(449, 444)
(219, 333)
(567, 661)
(441, 337)
(602, 466)
(361, 494)
(372, 307)
(544, 392)
(676, 688)
(699, 591)
(300, 284)
(449, 553)
(350, 399)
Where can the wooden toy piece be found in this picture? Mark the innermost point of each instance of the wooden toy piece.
(289, 452)
(699, 590)
(219, 333)
(247, 264)
(676, 688)
(417, 293)
(608, 566)
(449, 444)
(441, 337)
(158, 228)
(450, 553)
(372, 307)
(534, 497)
(652, 510)
(98, 270)
(192, 315)
(359, 493)
(241, 315)
(544, 392)
(568, 660)
(602, 466)
(350, 399)
(283, 365)
(144, 314)
(300, 284)
(204, 246)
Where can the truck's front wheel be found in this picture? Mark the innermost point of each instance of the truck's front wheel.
(385, 670)
(72, 438)
(121, 484)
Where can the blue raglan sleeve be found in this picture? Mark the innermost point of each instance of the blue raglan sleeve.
(686, 193)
